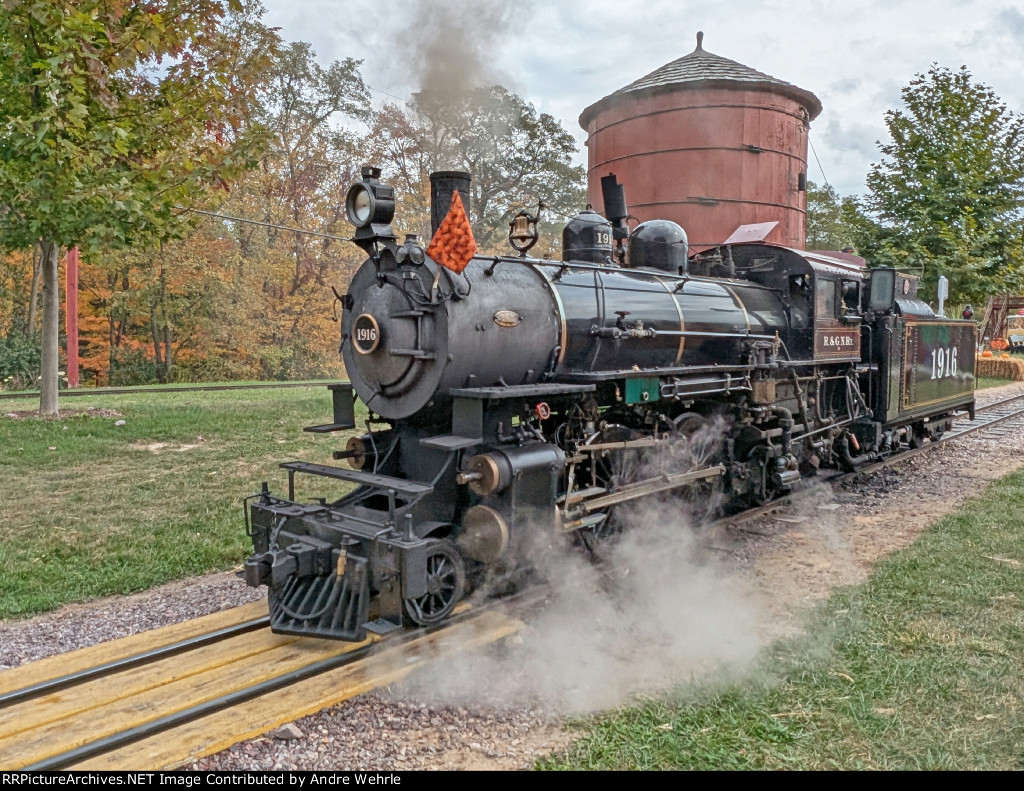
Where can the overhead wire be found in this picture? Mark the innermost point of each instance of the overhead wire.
(268, 225)
(813, 151)
(378, 90)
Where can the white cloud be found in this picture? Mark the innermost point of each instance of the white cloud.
(563, 56)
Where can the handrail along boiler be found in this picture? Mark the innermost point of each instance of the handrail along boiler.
(525, 397)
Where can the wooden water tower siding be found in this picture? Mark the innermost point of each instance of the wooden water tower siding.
(708, 143)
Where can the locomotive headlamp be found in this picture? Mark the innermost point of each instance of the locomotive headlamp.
(370, 206)
(369, 202)
(360, 202)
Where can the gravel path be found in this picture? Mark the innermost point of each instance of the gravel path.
(748, 590)
(78, 625)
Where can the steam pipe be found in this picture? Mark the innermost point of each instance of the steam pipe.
(800, 398)
(786, 421)
(851, 461)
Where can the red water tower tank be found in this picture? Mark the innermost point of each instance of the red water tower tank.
(708, 143)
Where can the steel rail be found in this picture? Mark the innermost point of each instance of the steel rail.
(998, 403)
(949, 436)
(166, 722)
(135, 660)
(115, 740)
(748, 515)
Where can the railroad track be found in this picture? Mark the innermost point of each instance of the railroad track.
(987, 417)
(96, 391)
(162, 698)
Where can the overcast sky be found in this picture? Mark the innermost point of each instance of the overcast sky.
(562, 56)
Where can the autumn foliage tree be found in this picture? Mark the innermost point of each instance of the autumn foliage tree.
(516, 156)
(116, 115)
(121, 116)
(313, 155)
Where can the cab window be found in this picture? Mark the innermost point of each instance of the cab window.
(799, 301)
(851, 296)
(825, 299)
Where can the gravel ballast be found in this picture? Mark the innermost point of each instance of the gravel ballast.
(782, 562)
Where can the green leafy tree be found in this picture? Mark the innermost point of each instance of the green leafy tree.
(115, 115)
(948, 194)
(828, 226)
(874, 241)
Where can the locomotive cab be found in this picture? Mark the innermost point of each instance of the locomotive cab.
(820, 294)
(836, 326)
(924, 362)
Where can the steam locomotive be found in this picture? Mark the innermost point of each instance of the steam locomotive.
(525, 397)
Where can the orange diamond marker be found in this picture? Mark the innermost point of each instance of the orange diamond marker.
(453, 245)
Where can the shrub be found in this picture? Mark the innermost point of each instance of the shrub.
(132, 367)
(20, 362)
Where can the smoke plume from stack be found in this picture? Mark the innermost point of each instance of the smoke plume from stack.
(450, 48)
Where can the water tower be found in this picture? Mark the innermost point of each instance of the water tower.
(708, 143)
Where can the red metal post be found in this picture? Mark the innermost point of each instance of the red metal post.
(71, 317)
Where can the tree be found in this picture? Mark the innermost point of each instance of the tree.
(516, 157)
(834, 223)
(19, 352)
(310, 162)
(827, 225)
(115, 116)
(948, 195)
(312, 159)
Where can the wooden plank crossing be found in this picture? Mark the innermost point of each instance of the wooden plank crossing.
(84, 658)
(213, 733)
(60, 705)
(54, 723)
(44, 727)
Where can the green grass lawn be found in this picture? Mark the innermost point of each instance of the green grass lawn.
(88, 508)
(34, 393)
(985, 382)
(919, 668)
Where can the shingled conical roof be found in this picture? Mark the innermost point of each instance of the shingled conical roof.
(703, 69)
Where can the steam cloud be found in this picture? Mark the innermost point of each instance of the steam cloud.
(667, 614)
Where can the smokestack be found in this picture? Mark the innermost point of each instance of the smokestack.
(615, 211)
(614, 203)
(442, 184)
